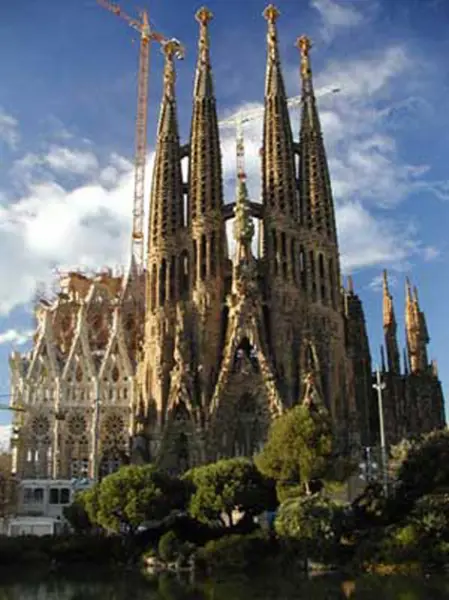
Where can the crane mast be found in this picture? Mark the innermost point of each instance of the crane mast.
(147, 35)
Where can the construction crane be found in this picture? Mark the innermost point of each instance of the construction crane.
(241, 118)
(147, 35)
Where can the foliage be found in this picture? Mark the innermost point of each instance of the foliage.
(370, 507)
(299, 447)
(77, 515)
(316, 522)
(226, 486)
(133, 495)
(235, 553)
(62, 550)
(8, 486)
(421, 536)
(168, 546)
(425, 468)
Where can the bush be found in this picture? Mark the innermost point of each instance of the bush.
(168, 547)
(64, 550)
(313, 522)
(235, 552)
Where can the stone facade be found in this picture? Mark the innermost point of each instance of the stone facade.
(192, 359)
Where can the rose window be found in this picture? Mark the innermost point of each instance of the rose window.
(40, 426)
(114, 425)
(77, 425)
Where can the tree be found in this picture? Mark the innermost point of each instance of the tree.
(77, 514)
(425, 468)
(133, 495)
(299, 447)
(8, 486)
(226, 486)
(315, 522)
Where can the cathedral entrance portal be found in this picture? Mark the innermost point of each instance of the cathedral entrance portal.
(250, 430)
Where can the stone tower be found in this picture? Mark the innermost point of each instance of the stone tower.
(280, 222)
(167, 258)
(205, 219)
(319, 256)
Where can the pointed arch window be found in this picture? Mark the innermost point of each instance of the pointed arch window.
(183, 274)
(203, 257)
(162, 282)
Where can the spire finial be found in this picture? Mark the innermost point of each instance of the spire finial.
(271, 14)
(170, 50)
(304, 44)
(204, 16)
(385, 280)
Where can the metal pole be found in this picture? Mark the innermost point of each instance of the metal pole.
(95, 465)
(380, 386)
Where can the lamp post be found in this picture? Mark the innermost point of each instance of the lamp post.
(97, 407)
(379, 386)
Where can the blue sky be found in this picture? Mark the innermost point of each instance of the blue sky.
(67, 105)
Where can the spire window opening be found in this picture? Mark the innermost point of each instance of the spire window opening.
(153, 287)
(293, 260)
(162, 282)
(322, 276)
(172, 279)
(303, 268)
(284, 254)
(332, 284)
(275, 250)
(213, 254)
(183, 274)
(195, 261)
(313, 276)
(203, 258)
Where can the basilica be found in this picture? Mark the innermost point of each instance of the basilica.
(191, 358)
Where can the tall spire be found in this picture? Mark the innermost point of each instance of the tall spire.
(205, 171)
(243, 224)
(316, 203)
(390, 328)
(416, 331)
(205, 215)
(278, 179)
(166, 213)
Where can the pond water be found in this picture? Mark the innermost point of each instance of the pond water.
(135, 587)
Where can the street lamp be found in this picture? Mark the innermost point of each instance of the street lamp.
(379, 386)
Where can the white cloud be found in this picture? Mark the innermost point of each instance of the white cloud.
(5, 436)
(58, 160)
(336, 15)
(431, 253)
(8, 129)
(72, 161)
(366, 241)
(15, 337)
(88, 227)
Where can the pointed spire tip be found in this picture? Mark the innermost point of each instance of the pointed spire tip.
(271, 14)
(303, 43)
(204, 16)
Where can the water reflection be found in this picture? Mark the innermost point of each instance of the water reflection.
(114, 587)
